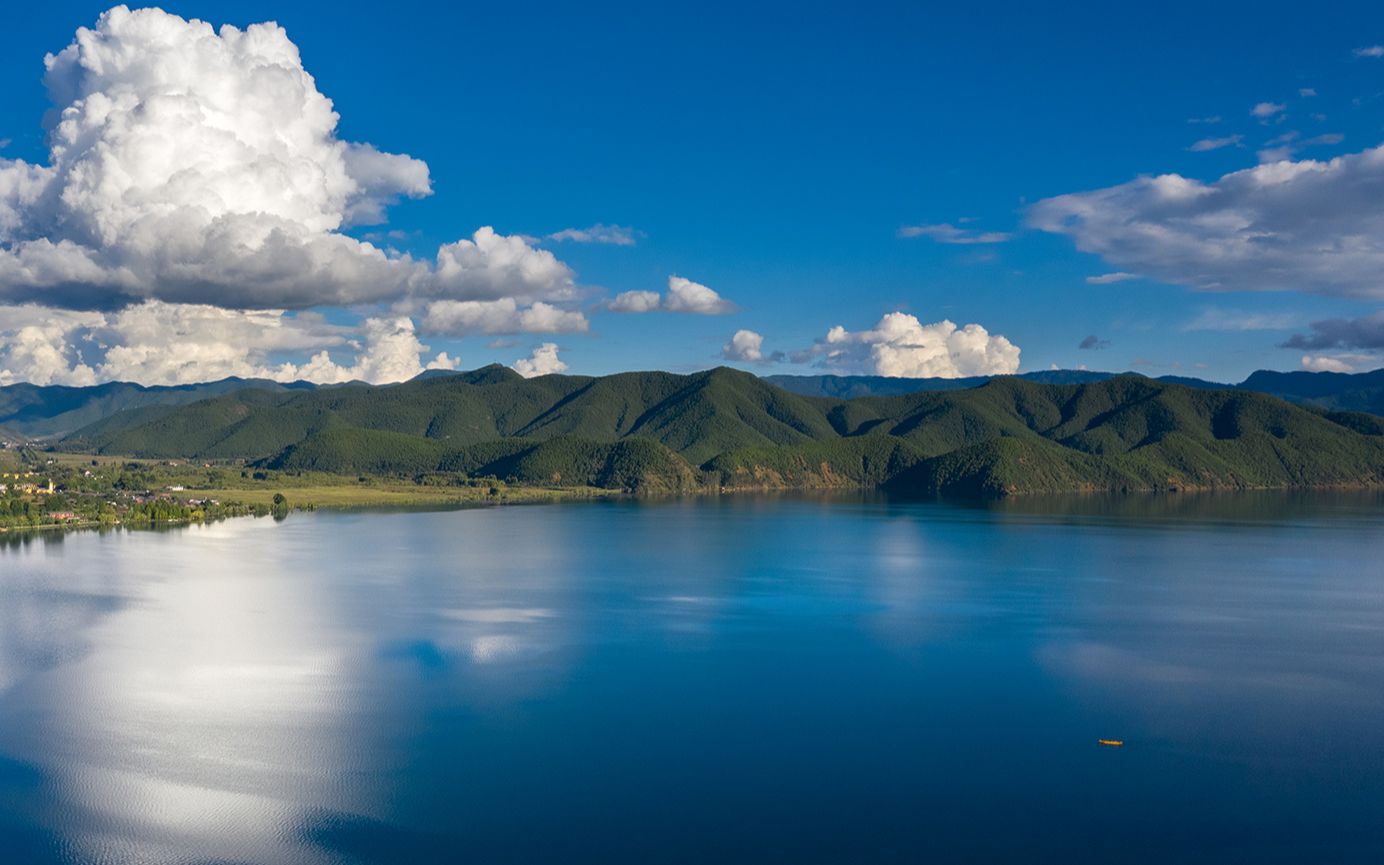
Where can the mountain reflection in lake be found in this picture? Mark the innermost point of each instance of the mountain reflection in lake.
(743, 679)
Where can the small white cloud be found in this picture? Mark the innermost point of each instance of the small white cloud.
(1206, 144)
(543, 361)
(944, 233)
(613, 235)
(747, 346)
(1325, 363)
(635, 301)
(1265, 110)
(900, 345)
(1214, 118)
(683, 295)
(1375, 51)
(1306, 92)
(503, 316)
(1111, 278)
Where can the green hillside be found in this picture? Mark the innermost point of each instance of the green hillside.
(633, 464)
(728, 429)
(697, 415)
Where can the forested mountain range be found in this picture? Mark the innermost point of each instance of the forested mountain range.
(726, 428)
(32, 411)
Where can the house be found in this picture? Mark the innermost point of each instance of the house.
(61, 516)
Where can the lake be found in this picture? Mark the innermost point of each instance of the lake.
(743, 679)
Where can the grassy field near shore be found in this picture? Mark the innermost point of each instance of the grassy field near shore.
(388, 493)
(67, 490)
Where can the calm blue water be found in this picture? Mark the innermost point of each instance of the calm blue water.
(735, 680)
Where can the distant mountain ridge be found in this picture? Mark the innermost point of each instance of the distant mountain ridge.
(39, 411)
(724, 428)
(852, 386)
(1363, 391)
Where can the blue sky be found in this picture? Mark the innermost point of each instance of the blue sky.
(774, 153)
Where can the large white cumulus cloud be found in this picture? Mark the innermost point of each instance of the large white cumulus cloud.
(195, 165)
(190, 165)
(902, 346)
(196, 193)
(1314, 226)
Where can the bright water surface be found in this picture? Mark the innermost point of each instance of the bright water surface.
(709, 681)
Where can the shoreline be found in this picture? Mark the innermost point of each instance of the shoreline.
(1006, 494)
(384, 498)
(387, 498)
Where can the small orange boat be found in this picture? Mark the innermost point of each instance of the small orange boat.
(1111, 743)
